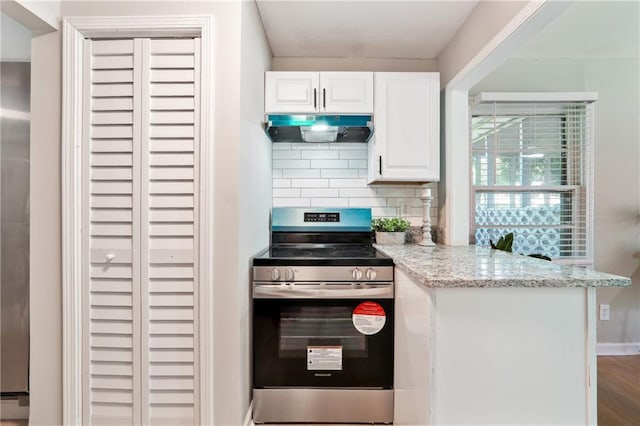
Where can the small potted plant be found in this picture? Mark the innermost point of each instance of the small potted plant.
(390, 230)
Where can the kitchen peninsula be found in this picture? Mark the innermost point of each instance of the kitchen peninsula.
(488, 337)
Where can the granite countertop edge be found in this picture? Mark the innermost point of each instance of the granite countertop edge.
(478, 267)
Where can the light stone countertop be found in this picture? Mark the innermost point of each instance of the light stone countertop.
(446, 266)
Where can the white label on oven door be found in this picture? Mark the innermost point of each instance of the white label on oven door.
(369, 318)
(324, 357)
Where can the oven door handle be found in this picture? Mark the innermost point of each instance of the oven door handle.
(293, 291)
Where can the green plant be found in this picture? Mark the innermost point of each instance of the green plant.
(504, 243)
(390, 224)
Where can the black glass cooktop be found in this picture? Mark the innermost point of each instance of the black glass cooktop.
(325, 255)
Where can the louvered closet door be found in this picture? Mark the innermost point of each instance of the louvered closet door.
(169, 231)
(140, 251)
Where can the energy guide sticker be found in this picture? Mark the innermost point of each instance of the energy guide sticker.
(324, 357)
(369, 318)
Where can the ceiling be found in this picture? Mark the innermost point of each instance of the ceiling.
(417, 29)
(420, 29)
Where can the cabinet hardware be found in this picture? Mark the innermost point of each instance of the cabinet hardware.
(380, 165)
(324, 98)
(315, 103)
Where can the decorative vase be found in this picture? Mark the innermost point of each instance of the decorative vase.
(390, 237)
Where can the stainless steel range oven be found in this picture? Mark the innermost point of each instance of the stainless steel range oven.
(322, 321)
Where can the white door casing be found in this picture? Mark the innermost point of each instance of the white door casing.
(156, 266)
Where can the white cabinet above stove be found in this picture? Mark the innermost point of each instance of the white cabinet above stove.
(318, 92)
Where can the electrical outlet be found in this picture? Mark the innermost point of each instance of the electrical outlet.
(604, 312)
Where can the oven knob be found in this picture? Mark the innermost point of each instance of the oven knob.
(356, 274)
(370, 274)
(288, 274)
(275, 274)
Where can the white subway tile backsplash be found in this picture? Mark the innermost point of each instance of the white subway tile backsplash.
(301, 173)
(409, 202)
(384, 211)
(329, 202)
(329, 164)
(357, 164)
(319, 155)
(353, 146)
(353, 155)
(348, 183)
(335, 175)
(281, 183)
(395, 191)
(291, 202)
(280, 146)
(366, 192)
(290, 164)
(367, 202)
(286, 155)
(304, 146)
(286, 192)
(309, 183)
(320, 192)
(339, 173)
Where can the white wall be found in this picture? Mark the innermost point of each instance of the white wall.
(335, 175)
(234, 144)
(353, 64)
(486, 20)
(45, 374)
(254, 171)
(15, 41)
(616, 167)
(40, 16)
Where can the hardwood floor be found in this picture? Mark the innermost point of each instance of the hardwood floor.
(619, 390)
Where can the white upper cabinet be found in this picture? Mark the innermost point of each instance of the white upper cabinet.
(319, 92)
(406, 143)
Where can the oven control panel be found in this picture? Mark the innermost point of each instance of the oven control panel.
(323, 274)
(321, 217)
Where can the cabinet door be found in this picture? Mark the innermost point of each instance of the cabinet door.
(406, 143)
(292, 92)
(346, 92)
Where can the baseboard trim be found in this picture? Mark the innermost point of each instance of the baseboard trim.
(613, 349)
(248, 418)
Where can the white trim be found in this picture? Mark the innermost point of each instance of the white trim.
(534, 97)
(248, 418)
(75, 29)
(455, 210)
(534, 16)
(617, 349)
(591, 361)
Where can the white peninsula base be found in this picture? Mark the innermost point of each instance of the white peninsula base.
(494, 356)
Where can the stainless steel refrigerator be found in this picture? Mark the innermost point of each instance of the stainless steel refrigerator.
(14, 224)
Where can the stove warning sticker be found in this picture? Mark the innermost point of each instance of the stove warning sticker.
(324, 357)
(369, 318)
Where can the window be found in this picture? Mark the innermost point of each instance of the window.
(531, 171)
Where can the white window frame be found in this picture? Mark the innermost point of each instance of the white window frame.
(75, 30)
(548, 97)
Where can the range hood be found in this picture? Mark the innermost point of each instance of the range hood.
(319, 128)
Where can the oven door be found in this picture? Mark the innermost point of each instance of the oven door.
(303, 342)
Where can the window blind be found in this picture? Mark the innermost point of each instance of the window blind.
(531, 171)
